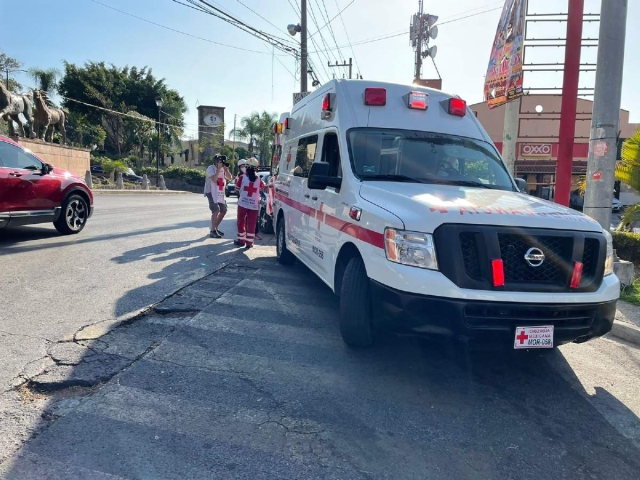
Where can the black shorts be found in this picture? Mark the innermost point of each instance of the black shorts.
(216, 207)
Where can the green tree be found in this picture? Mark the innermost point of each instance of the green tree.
(82, 133)
(628, 169)
(257, 128)
(124, 90)
(9, 65)
(45, 79)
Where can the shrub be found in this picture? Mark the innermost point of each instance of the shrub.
(149, 171)
(627, 246)
(189, 175)
(114, 166)
(98, 159)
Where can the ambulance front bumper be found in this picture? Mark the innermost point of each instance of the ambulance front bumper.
(483, 323)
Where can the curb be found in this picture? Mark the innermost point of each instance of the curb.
(139, 192)
(626, 331)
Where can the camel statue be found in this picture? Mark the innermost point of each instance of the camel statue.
(48, 116)
(12, 105)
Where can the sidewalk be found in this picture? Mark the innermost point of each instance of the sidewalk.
(99, 191)
(627, 323)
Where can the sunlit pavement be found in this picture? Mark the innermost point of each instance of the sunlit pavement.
(244, 375)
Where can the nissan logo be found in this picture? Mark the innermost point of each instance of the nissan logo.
(534, 257)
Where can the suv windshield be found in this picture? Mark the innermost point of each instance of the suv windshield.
(423, 157)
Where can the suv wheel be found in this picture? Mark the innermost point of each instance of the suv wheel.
(285, 257)
(355, 306)
(73, 216)
(266, 223)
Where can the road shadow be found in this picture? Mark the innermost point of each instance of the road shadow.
(259, 385)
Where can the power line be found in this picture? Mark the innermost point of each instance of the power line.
(256, 13)
(405, 32)
(226, 17)
(177, 31)
(295, 10)
(327, 19)
(348, 39)
(322, 39)
(334, 17)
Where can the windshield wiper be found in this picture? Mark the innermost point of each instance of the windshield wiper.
(465, 183)
(392, 177)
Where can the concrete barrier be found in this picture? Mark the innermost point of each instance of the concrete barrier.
(119, 181)
(88, 179)
(145, 182)
(75, 160)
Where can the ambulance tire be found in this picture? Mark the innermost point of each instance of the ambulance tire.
(285, 257)
(355, 306)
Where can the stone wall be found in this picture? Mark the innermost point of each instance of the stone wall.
(76, 160)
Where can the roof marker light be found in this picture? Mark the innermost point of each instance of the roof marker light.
(457, 107)
(286, 124)
(375, 96)
(418, 100)
(326, 103)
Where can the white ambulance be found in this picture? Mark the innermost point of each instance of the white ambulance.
(395, 196)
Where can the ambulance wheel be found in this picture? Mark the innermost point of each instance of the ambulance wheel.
(355, 306)
(285, 257)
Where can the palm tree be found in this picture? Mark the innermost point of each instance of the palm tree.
(628, 171)
(257, 128)
(47, 80)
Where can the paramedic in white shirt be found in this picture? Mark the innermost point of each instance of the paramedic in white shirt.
(216, 180)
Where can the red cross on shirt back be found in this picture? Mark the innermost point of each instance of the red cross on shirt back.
(250, 189)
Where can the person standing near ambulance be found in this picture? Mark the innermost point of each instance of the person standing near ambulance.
(249, 186)
(217, 177)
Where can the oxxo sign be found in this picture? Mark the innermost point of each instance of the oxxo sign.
(536, 150)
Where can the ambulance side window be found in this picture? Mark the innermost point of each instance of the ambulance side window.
(331, 154)
(305, 155)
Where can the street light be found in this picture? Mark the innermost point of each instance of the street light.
(159, 103)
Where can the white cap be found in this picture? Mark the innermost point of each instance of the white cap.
(254, 161)
(242, 162)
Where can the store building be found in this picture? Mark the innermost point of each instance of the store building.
(537, 148)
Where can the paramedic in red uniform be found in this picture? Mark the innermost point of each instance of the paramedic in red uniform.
(248, 187)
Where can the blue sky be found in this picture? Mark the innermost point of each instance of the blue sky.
(243, 81)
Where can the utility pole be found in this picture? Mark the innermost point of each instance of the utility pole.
(419, 47)
(343, 64)
(303, 46)
(569, 105)
(510, 134)
(606, 112)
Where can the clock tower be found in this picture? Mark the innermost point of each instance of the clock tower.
(210, 130)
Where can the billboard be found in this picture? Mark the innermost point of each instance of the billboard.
(503, 81)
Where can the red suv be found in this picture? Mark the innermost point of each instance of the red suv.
(32, 191)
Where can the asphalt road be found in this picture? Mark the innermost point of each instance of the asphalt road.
(134, 251)
(254, 382)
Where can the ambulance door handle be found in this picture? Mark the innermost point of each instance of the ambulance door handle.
(306, 196)
(314, 198)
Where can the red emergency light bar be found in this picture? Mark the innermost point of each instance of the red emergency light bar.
(457, 107)
(375, 96)
(326, 103)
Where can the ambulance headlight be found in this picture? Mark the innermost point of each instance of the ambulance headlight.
(608, 263)
(410, 248)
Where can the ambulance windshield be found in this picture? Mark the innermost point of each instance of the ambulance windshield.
(423, 157)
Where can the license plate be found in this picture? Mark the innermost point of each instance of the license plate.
(534, 337)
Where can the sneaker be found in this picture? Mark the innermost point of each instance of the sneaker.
(214, 234)
(258, 237)
(248, 246)
(238, 243)
(220, 233)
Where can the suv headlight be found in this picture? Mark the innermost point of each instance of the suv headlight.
(410, 248)
(608, 263)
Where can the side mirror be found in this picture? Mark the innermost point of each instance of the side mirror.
(521, 184)
(319, 178)
(46, 169)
